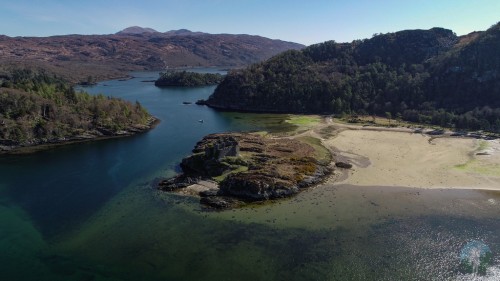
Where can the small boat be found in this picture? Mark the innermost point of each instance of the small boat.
(201, 120)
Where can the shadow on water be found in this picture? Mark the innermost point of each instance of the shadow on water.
(62, 187)
(57, 195)
(163, 237)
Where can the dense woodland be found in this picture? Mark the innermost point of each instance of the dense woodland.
(426, 76)
(36, 107)
(188, 79)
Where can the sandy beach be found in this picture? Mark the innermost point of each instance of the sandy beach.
(391, 158)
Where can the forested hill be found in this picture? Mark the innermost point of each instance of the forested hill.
(38, 108)
(187, 79)
(427, 76)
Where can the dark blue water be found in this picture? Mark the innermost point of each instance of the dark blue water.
(89, 212)
(62, 186)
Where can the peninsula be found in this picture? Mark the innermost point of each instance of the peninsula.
(38, 109)
(231, 169)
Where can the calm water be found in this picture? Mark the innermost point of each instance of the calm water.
(89, 212)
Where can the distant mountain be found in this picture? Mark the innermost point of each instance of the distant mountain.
(141, 30)
(96, 57)
(428, 76)
(183, 32)
(136, 30)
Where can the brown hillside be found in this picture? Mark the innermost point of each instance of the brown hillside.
(103, 56)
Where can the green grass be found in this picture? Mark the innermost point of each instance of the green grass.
(303, 120)
(365, 120)
(240, 169)
(322, 154)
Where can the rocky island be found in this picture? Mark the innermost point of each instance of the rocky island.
(247, 167)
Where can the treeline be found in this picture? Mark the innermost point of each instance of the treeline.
(36, 107)
(188, 79)
(426, 76)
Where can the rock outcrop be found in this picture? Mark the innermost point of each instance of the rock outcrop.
(343, 165)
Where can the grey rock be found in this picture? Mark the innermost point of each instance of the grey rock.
(343, 165)
(209, 193)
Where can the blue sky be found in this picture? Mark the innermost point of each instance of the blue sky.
(305, 22)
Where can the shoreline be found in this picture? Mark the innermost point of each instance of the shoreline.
(28, 149)
(400, 157)
(430, 162)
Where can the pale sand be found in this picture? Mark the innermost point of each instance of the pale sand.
(383, 158)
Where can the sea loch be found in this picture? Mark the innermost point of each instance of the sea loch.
(90, 211)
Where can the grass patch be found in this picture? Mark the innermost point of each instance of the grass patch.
(303, 120)
(321, 153)
(300, 124)
(261, 133)
(240, 169)
(377, 121)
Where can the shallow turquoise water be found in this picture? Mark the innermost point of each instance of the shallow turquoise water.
(89, 212)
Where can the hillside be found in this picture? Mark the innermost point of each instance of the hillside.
(187, 79)
(95, 57)
(428, 76)
(37, 108)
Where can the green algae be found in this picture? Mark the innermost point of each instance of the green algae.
(473, 165)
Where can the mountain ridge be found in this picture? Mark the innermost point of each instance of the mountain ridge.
(79, 58)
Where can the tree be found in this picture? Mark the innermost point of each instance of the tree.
(388, 115)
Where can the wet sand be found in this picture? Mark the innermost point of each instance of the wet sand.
(385, 158)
